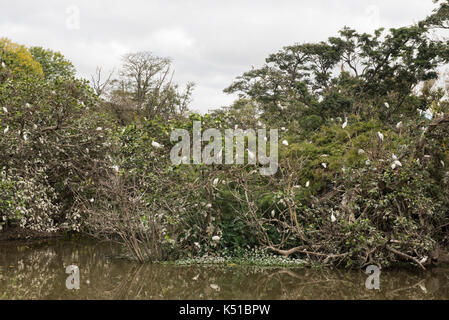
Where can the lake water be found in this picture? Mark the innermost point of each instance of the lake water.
(37, 271)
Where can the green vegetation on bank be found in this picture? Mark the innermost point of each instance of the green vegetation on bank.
(363, 171)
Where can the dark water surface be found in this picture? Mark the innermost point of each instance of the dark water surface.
(37, 271)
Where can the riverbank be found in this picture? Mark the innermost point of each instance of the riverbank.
(256, 257)
(15, 233)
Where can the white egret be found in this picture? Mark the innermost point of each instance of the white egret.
(396, 164)
(215, 287)
(251, 155)
(381, 136)
(156, 145)
(333, 218)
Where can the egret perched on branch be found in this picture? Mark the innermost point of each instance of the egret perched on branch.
(285, 143)
(345, 124)
(396, 164)
(399, 127)
(333, 218)
(251, 156)
(381, 136)
(156, 145)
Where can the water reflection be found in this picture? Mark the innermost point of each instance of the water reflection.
(37, 271)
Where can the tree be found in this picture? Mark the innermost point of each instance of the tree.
(339, 76)
(53, 145)
(438, 19)
(146, 88)
(54, 64)
(18, 59)
(143, 73)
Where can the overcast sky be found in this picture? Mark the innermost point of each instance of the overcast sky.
(210, 42)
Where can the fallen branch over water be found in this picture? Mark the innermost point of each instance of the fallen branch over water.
(404, 255)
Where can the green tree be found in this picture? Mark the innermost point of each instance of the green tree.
(340, 76)
(54, 64)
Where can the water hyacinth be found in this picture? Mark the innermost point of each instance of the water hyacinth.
(250, 257)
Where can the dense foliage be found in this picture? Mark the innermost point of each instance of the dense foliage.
(363, 167)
